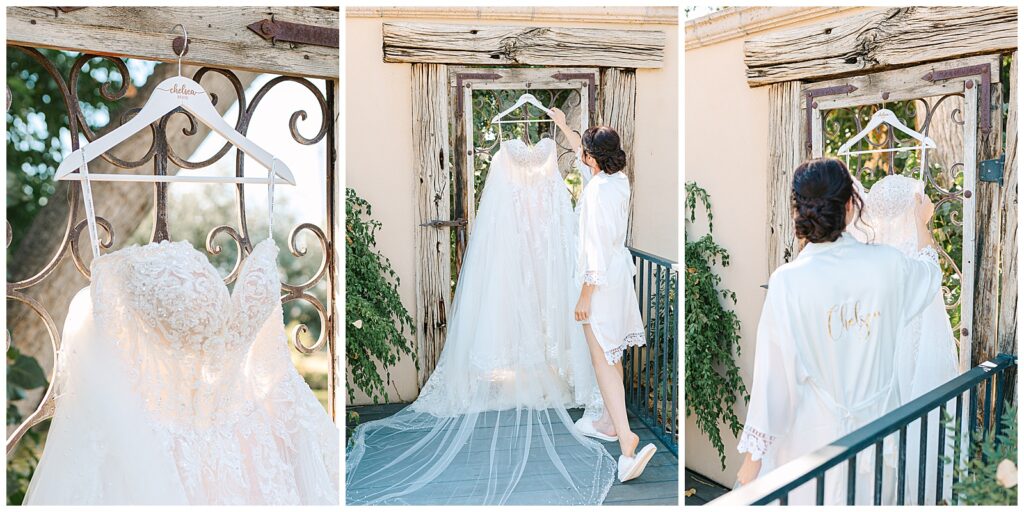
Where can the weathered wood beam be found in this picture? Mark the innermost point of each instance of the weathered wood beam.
(785, 151)
(1008, 257)
(988, 232)
(542, 46)
(878, 40)
(901, 84)
(432, 195)
(617, 109)
(218, 36)
(663, 15)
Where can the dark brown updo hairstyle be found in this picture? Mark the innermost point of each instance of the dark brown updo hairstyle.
(821, 189)
(602, 143)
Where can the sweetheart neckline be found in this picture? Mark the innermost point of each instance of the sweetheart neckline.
(887, 176)
(532, 148)
(206, 260)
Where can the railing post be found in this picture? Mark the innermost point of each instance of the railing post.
(650, 373)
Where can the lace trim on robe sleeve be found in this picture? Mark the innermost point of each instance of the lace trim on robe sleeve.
(928, 253)
(594, 278)
(755, 442)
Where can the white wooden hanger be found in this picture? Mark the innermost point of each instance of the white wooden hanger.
(888, 117)
(170, 94)
(524, 99)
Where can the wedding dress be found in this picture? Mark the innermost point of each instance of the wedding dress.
(928, 348)
(172, 390)
(825, 361)
(490, 426)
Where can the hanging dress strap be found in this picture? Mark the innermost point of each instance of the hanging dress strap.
(270, 198)
(90, 212)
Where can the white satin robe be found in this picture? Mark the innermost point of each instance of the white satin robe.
(825, 361)
(604, 261)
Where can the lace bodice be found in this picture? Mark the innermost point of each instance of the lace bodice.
(892, 196)
(169, 296)
(528, 161)
(889, 215)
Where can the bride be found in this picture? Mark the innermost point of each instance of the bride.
(607, 306)
(827, 342)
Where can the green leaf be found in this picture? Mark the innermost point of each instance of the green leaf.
(25, 373)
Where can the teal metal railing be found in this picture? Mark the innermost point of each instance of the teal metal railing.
(992, 381)
(651, 372)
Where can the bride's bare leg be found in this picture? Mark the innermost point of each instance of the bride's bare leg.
(604, 424)
(609, 380)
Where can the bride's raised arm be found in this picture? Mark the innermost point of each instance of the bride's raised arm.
(573, 137)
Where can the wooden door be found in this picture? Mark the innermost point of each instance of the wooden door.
(477, 95)
(946, 110)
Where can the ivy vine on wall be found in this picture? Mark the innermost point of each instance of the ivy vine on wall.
(712, 377)
(376, 319)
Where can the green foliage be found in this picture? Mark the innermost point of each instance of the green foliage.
(23, 374)
(37, 123)
(977, 482)
(712, 378)
(376, 319)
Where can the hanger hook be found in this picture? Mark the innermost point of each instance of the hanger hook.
(184, 47)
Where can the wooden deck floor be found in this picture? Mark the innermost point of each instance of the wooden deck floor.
(701, 489)
(659, 484)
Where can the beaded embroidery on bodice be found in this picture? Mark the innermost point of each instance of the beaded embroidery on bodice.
(169, 295)
(529, 161)
(889, 213)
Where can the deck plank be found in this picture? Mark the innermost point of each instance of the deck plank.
(659, 484)
(705, 489)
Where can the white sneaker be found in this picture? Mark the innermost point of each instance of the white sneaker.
(632, 467)
(586, 427)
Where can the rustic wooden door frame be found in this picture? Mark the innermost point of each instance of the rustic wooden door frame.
(431, 49)
(908, 84)
(771, 61)
(434, 165)
(463, 81)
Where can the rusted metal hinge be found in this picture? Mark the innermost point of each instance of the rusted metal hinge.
(811, 95)
(460, 77)
(445, 223)
(274, 31)
(985, 94)
(591, 85)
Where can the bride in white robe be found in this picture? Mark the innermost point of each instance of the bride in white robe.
(825, 361)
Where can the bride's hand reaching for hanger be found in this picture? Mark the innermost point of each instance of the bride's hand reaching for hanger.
(924, 209)
(558, 117)
(560, 121)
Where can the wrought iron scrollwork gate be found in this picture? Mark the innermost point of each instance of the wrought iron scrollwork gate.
(318, 291)
(478, 94)
(929, 104)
